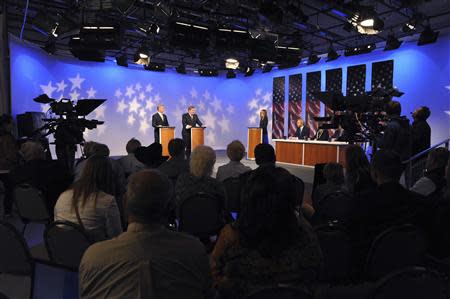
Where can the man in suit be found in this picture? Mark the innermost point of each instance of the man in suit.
(322, 134)
(189, 121)
(302, 130)
(159, 119)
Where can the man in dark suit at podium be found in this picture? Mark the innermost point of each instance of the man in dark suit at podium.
(189, 120)
(159, 119)
(302, 130)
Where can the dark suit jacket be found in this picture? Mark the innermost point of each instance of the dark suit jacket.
(323, 136)
(191, 121)
(157, 121)
(263, 125)
(421, 136)
(397, 137)
(304, 133)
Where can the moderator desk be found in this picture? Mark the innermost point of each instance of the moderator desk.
(309, 153)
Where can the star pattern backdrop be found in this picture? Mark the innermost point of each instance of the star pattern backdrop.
(383, 74)
(356, 80)
(295, 102)
(313, 81)
(278, 107)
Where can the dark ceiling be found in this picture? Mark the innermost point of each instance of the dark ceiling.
(311, 26)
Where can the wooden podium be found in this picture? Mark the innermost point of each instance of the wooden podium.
(197, 137)
(165, 135)
(254, 138)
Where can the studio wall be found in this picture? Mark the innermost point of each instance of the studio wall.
(226, 106)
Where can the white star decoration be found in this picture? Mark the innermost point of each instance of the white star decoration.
(138, 86)
(61, 86)
(118, 93)
(91, 93)
(130, 92)
(142, 113)
(144, 126)
(216, 104)
(48, 89)
(210, 120)
(131, 119)
(206, 95)
(177, 113)
(141, 96)
(253, 104)
(121, 106)
(258, 92)
(74, 95)
(230, 109)
(149, 105)
(194, 93)
(157, 98)
(101, 129)
(134, 106)
(267, 97)
(201, 106)
(224, 125)
(100, 111)
(210, 137)
(183, 101)
(252, 120)
(448, 112)
(149, 88)
(76, 82)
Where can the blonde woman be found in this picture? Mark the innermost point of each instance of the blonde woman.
(263, 123)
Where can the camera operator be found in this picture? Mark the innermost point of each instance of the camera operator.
(421, 131)
(397, 132)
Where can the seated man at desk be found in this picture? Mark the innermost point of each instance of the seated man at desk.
(302, 132)
(321, 134)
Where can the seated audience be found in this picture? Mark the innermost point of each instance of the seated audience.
(90, 203)
(334, 181)
(149, 260)
(199, 178)
(9, 151)
(48, 176)
(234, 168)
(433, 182)
(357, 170)
(265, 155)
(267, 245)
(151, 156)
(129, 163)
(177, 164)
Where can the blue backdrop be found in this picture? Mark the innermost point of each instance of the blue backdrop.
(226, 106)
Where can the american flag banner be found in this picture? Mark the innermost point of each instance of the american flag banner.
(295, 102)
(278, 108)
(333, 83)
(383, 74)
(356, 80)
(312, 102)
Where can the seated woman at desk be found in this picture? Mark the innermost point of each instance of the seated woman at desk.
(302, 132)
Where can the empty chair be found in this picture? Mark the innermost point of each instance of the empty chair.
(233, 191)
(201, 215)
(411, 283)
(334, 206)
(66, 242)
(337, 253)
(396, 248)
(30, 205)
(281, 293)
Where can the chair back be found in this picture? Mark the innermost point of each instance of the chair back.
(334, 206)
(300, 190)
(396, 248)
(30, 204)
(233, 192)
(15, 257)
(280, 293)
(411, 283)
(318, 175)
(66, 243)
(337, 253)
(201, 215)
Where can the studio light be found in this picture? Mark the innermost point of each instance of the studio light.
(392, 43)
(122, 60)
(208, 72)
(359, 50)
(366, 20)
(181, 69)
(50, 46)
(155, 67)
(332, 54)
(428, 36)
(249, 71)
(267, 67)
(231, 63)
(142, 56)
(150, 28)
(412, 23)
(231, 74)
(313, 59)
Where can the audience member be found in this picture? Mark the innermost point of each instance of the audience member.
(420, 131)
(265, 155)
(199, 178)
(334, 181)
(357, 170)
(9, 151)
(177, 164)
(90, 202)
(149, 260)
(433, 182)
(48, 176)
(267, 245)
(129, 163)
(151, 156)
(234, 168)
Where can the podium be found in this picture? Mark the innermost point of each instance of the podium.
(254, 138)
(165, 135)
(197, 137)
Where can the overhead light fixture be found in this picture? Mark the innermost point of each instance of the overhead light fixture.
(231, 74)
(231, 63)
(150, 28)
(122, 60)
(332, 54)
(181, 69)
(359, 50)
(392, 43)
(249, 71)
(428, 36)
(142, 56)
(313, 58)
(412, 23)
(191, 25)
(208, 72)
(267, 68)
(155, 67)
(366, 21)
